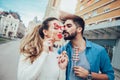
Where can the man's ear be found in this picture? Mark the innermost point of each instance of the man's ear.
(79, 29)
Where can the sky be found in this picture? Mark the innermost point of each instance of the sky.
(68, 5)
(28, 9)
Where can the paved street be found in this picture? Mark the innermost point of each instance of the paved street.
(8, 60)
(9, 54)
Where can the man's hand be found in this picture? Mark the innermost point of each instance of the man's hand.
(63, 60)
(81, 72)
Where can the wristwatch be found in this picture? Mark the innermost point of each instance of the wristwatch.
(89, 77)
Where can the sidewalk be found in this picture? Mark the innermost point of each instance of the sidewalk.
(9, 56)
(4, 40)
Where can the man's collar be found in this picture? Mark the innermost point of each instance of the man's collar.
(88, 44)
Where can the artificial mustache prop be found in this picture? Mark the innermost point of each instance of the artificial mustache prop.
(59, 27)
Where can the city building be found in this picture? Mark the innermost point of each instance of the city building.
(21, 30)
(52, 9)
(102, 18)
(32, 24)
(11, 26)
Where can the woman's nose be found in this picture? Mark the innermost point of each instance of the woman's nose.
(64, 27)
(60, 30)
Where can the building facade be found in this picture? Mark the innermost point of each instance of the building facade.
(102, 18)
(100, 13)
(32, 24)
(52, 9)
(11, 27)
(21, 30)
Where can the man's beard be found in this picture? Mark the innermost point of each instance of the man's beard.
(69, 36)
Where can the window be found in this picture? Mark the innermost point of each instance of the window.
(81, 8)
(97, 0)
(86, 16)
(89, 2)
(106, 9)
(6, 26)
(54, 2)
(12, 28)
(89, 15)
(81, 0)
(5, 30)
(112, 0)
(9, 16)
(117, 18)
(0, 17)
(94, 13)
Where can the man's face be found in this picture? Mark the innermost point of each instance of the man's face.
(70, 30)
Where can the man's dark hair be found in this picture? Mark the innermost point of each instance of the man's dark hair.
(79, 22)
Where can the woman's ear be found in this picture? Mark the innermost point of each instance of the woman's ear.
(45, 32)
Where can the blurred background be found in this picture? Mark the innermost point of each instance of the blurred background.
(17, 18)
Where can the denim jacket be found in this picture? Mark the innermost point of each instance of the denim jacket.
(97, 58)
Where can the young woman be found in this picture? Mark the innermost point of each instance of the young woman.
(38, 60)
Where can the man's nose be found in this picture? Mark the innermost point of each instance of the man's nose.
(63, 29)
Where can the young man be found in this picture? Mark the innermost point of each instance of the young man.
(92, 61)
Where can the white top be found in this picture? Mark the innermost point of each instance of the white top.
(45, 67)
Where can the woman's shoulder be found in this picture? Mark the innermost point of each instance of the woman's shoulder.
(23, 59)
(22, 56)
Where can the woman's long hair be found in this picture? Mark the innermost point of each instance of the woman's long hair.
(31, 45)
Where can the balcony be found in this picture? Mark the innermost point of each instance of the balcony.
(105, 30)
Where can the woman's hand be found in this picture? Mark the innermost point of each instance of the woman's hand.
(63, 60)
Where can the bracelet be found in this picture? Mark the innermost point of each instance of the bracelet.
(89, 77)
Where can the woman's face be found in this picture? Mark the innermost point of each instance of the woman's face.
(55, 30)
